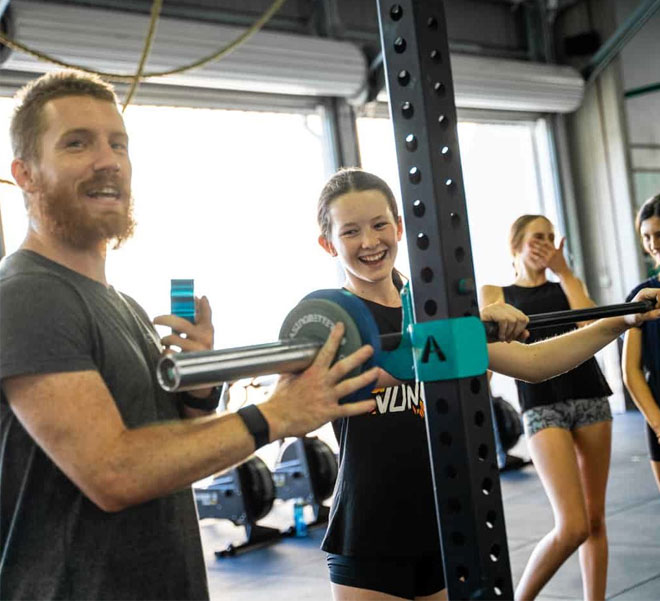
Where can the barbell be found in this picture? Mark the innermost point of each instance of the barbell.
(435, 350)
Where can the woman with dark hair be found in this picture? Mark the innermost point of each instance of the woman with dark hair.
(641, 348)
(567, 419)
(382, 536)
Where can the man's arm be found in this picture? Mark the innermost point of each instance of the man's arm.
(73, 418)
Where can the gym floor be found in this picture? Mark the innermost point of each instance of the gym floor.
(294, 568)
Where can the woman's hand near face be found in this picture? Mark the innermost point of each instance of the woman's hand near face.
(511, 321)
(549, 256)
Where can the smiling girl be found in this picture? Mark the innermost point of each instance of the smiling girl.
(382, 538)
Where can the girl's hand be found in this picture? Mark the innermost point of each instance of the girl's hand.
(512, 322)
(636, 319)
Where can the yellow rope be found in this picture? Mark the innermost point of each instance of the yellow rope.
(155, 12)
(6, 181)
(256, 26)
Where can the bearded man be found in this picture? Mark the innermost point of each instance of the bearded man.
(96, 460)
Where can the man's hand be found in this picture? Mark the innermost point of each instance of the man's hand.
(512, 322)
(636, 319)
(188, 336)
(304, 402)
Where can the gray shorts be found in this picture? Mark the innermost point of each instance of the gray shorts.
(569, 415)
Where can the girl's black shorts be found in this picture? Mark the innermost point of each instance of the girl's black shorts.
(406, 577)
(652, 442)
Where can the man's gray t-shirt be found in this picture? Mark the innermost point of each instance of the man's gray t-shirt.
(54, 542)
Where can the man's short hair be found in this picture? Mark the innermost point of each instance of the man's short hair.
(27, 124)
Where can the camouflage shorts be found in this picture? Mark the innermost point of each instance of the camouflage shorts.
(569, 415)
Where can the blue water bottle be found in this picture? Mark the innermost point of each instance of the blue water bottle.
(299, 518)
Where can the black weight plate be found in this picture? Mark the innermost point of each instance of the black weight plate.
(257, 488)
(322, 467)
(312, 319)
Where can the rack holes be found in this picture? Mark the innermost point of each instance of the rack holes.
(455, 220)
(487, 486)
(475, 386)
(432, 23)
(403, 77)
(442, 406)
(396, 12)
(459, 253)
(443, 121)
(462, 573)
(422, 241)
(491, 518)
(411, 143)
(418, 208)
(482, 452)
(430, 307)
(400, 45)
(449, 183)
(435, 56)
(407, 110)
(440, 89)
(414, 175)
(495, 552)
(498, 589)
(427, 275)
(445, 152)
(479, 418)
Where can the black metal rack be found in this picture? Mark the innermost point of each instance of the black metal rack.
(458, 416)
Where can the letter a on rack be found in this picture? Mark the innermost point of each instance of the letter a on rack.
(432, 346)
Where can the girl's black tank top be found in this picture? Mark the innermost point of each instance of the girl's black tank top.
(585, 381)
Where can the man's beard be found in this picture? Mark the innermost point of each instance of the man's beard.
(69, 220)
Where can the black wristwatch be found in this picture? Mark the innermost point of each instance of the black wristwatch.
(256, 424)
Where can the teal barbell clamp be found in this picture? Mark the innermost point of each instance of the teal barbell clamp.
(444, 349)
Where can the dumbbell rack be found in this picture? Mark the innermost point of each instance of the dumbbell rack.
(458, 417)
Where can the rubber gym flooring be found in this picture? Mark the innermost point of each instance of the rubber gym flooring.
(294, 568)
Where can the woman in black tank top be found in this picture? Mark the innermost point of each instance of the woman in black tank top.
(382, 537)
(567, 418)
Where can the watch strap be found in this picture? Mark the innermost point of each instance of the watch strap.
(256, 424)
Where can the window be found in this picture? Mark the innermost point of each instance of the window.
(222, 196)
